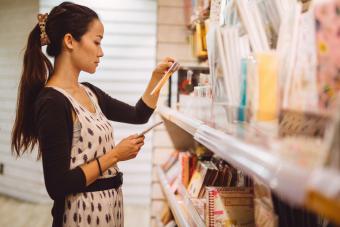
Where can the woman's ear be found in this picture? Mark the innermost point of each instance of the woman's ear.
(68, 41)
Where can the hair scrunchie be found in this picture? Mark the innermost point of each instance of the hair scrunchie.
(42, 18)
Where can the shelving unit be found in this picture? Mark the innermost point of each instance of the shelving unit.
(189, 124)
(293, 183)
(181, 207)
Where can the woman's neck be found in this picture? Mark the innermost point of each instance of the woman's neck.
(65, 74)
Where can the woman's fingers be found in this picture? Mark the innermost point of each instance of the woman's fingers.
(166, 59)
(140, 145)
(139, 140)
(162, 67)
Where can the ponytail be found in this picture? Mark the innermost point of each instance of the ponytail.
(36, 70)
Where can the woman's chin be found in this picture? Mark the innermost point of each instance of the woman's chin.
(91, 71)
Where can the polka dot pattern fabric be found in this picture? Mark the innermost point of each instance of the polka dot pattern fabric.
(93, 136)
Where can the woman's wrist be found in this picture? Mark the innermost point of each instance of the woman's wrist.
(114, 157)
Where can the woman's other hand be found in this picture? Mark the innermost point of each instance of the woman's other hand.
(129, 147)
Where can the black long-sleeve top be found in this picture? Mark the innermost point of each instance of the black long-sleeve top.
(54, 127)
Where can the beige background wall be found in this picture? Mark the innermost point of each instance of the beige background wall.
(21, 178)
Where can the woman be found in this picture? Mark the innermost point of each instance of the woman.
(70, 121)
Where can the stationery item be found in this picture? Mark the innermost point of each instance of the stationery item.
(243, 93)
(227, 176)
(230, 17)
(263, 206)
(206, 25)
(287, 47)
(302, 94)
(223, 13)
(215, 8)
(229, 206)
(202, 152)
(174, 186)
(174, 67)
(307, 124)
(204, 175)
(332, 140)
(253, 86)
(201, 44)
(268, 92)
(304, 138)
(166, 215)
(150, 128)
(184, 159)
(192, 42)
(215, 53)
(252, 22)
(216, 213)
(199, 205)
(195, 184)
(173, 172)
(271, 20)
(309, 153)
(171, 160)
(231, 49)
(192, 164)
(244, 46)
(223, 66)
(327, 22)
(265, 44)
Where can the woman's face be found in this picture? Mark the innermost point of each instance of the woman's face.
(88, 51)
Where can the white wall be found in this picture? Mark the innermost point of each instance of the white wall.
(22, 178)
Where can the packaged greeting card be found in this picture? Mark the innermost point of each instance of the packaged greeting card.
(327, 22)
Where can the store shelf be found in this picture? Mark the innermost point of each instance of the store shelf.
(182, 209)
(317, 189)
(190, 207)
(195, 67)
(256, 162)
(187, 123)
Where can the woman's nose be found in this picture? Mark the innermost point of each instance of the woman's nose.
(101, 53)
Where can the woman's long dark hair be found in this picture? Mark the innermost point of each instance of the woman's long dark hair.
(66, 18)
